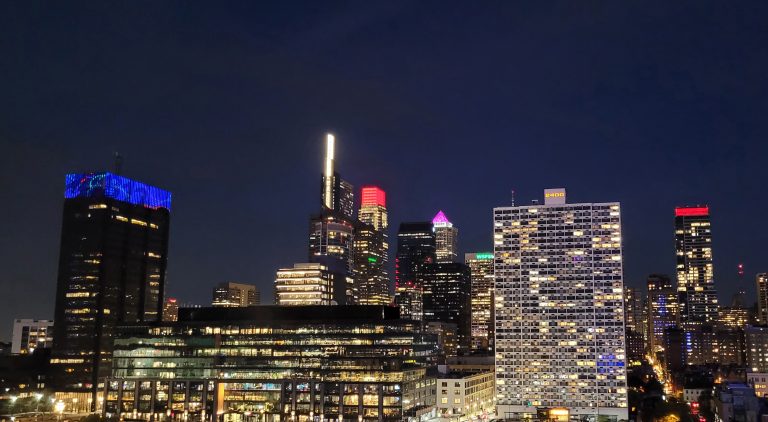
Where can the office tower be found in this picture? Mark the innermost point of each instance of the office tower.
(673, 346)
(114, 244)
(271, 363)
(445, 238)
(332, 231)
(761, 280)
(559, 309)
(312, 284)
(695, 280)
(662, 309)
(757, 348)
(337, 194)
(171, 310)
(447, 298)
(633, 309)
(415, 250)
(235, 294)
(31, 334)
(371, 247)
(481, 268)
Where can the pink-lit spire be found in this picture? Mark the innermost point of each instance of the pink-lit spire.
(441, 220)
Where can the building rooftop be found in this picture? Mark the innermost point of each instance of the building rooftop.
(261, 313)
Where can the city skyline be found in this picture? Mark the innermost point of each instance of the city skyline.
(81, 135)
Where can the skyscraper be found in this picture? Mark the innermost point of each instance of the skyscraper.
(415, 249)
(447, 298)
(337, 194)
(371, 246)
(230, 294)
(445, 238)
(332, 231)
(559, 309)
(662, 309)
(695, 277)
(761, 281)
(170, 309)
(695, 282)
(481, 268)
(114, 244)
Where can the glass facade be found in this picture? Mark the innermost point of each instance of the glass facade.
(415, 250)
(271, 363)
(481, 268)
(371, 247)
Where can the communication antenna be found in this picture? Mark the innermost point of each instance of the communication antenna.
(512, 197)
(118, 163)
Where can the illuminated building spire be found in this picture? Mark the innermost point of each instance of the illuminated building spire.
(330, 142)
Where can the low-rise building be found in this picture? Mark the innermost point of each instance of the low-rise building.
(31, 334)
(462, 396)
(735, 402)
(759, 382)
(277, 363)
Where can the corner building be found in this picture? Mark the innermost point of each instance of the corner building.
(559, 310)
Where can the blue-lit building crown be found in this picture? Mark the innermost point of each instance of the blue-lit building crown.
(105, 184)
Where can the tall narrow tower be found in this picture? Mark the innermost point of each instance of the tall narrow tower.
(445, 238)
(371, 246)
(695, 276)
(337, 193)
(114, 246)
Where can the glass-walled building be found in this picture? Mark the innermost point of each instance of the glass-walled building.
(273, 363)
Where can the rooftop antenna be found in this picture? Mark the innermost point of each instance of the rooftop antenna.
(512, 196)
(118, 163)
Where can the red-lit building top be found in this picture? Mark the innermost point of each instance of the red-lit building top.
(691, 211)
(372, 196)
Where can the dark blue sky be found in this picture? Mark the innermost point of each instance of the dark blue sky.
(446, 106)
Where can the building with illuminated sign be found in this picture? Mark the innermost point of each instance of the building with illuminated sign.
(113, 255)
(481, 268)
(273, 363)
(559, 309)
(445, 238)
(337, 194)
(31, 334)
(761, 281)
(415, 250)
(312, 284)
(695, 279)
(447, 298)
(371, 247)
(235, 294)
(171, 309)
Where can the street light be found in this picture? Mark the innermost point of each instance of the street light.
(59, 408)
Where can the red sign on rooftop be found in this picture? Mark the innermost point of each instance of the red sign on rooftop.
(373, 195)
(691, 211)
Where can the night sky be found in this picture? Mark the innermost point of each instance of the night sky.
(445, 106)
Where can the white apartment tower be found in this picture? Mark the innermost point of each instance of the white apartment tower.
(559, 310)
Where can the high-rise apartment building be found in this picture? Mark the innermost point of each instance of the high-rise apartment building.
(559, 310)
(31, 334)
(481, 268)
(445, 238)
(415, 250)
(761, 281)
(757, 348)
(171, 310)
(633, 309)
(312, 284)
(371, 247)
(114, 245)
(235, 294)
(695, 277)
(662, 309)
(447, 298)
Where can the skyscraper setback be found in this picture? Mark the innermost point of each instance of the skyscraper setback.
(112, 262)
(559, 310)
(371, 246)
(445, 238)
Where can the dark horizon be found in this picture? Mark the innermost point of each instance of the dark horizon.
(444, 109)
